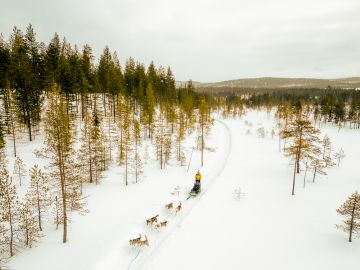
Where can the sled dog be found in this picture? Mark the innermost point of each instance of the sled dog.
(169, 206)
(135, 241)
(145, 242)
(152, 220)
(178, 208)
(161, 225)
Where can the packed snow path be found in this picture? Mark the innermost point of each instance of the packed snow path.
(208, 179)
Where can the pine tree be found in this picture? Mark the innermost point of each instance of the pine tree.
(304, 142)
(19, 169)
(57, 211)
(327, 146)
(120, 119)
(160, 135)
(9, 212)
(339, 155)
(138, 164)
(59, 149)
(351, 211)
(28, 222)
(2, 140)
(39, 192)
(318, 165)
(204, 124)
(97, 136)
(167, 147)
(307, 168)
(52, 60)
(86, 153)
(327, 149)
(125, 140)
(92, 147)
(10, 113)
(26, 69)
(149, 109)
(180, 136)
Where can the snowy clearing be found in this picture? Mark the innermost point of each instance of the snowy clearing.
(266, 228)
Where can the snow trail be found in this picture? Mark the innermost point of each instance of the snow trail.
(139, 261)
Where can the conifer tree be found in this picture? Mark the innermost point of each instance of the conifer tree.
(98, 150)
(160, 135)
(318, 166)
(57, 211)
(204, 124)
(137, 164)
(304, 140)
(26, 77)
(39, 192)
(351, 211)
(307, 168)
(29, 222)
(327, 146)
(10, 113)
(149, 109)
(125, 147)
(92, 150)
(180, 136)
(19, 169)
(339, 155)
(120, 119)
(327, 149)
(167, 147)
(86, 153)
(52, 59)
(9, 210)
(59, 148)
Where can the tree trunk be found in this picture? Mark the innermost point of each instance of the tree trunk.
(28, 122)
(315, 170)
(38, 205)
(114, 107)
(11, 226)
(305, 175)
(352, 221)
(126, 165)
(293, 186)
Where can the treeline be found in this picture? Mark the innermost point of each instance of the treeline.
(330, 104)
(92, 115)
(29, 68)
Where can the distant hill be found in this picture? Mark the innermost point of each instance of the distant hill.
(271, 82)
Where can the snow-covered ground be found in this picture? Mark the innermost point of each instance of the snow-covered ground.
(266, 229)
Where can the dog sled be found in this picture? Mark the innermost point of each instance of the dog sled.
(196, 189)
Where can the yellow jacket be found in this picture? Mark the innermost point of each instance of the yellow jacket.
(198, 176)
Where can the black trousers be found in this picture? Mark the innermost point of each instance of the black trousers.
(197, 185)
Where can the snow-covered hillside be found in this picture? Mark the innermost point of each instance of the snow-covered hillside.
(266, 228)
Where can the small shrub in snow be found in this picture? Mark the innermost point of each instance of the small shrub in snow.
(237, 193)
(273, 133)
(176, 191)
(261, 132)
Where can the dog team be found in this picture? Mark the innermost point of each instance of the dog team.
(142, 240)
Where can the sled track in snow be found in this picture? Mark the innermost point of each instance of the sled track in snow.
(144, 255)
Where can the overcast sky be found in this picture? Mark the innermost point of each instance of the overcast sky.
(206, 40)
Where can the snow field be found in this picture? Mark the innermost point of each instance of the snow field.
(100, 239)
(267, 228)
